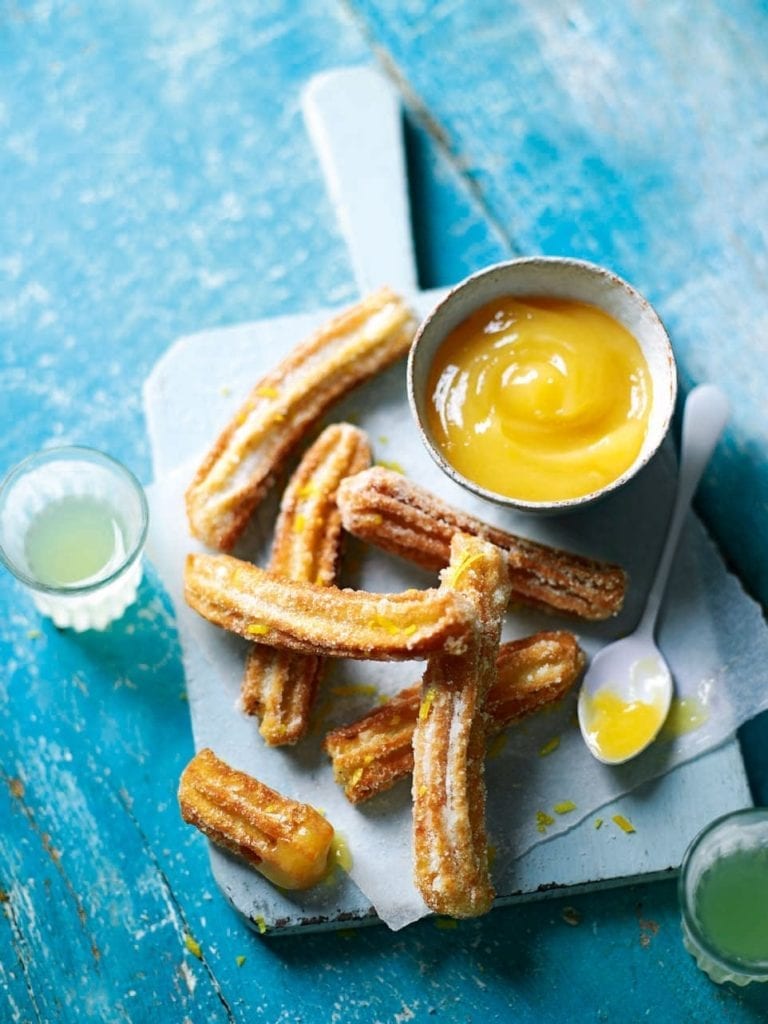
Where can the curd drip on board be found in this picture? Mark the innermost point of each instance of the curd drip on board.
(539, 399)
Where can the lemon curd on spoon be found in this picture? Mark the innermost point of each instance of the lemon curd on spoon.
(539, 399)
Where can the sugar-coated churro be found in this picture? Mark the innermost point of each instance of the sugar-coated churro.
(373, 753)
(279, 686)
(386, 509)
(449, 839)
(287, 841)
(326, 621)
(282, 407)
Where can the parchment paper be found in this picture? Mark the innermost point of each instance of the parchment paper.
(713, 635)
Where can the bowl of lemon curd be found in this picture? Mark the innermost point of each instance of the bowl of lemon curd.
(543, 383)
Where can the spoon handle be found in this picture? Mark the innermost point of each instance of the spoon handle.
(704, 416)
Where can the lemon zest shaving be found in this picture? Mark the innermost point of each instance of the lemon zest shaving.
(426, 704)
(356, 776)
(376, 519)
(550, 746)
(267, 392)
(307, 490)
(193, 946)
(394, 466)
(564, 807)
(543, 821)
(624, 823)
(466, 561)
(261, 924)
(382, 623)
(422, 790)
(240, 960)
(299, 523)
(256, 629)
(598, 822)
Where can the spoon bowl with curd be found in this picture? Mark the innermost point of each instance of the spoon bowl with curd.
(627, 691)
(542, 384)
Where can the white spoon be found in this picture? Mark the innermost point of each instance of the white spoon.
(630, 677)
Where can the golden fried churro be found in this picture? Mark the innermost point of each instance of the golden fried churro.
(287, 841)
(284, 404)
(370, 755)
(279, 686)
(388, 510)
(326, 621)
(449, 840)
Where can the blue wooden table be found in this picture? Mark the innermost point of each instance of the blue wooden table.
(155, 178)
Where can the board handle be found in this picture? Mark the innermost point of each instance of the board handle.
(354, 120)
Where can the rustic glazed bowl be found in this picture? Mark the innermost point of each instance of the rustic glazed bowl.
(557, 278)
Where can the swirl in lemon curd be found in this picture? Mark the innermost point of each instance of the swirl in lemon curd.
(539, 399)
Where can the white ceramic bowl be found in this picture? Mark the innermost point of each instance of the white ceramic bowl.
(558, 278)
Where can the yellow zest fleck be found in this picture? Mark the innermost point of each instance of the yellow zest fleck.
(422, 790)
(241, 417)
(225, 390)
(376, 519)
(565, 807)
(307, 490)
(550, 746)
(299, 522)
(239, 960)
(598, 822)
(261, 924)
(624, 824)
(33, 634)
(446, 923)
(193, 946)
(271, 808)
(426, 704)
(355, 690)
(267, 392)
(498, 744)
(543, 821)
(382, 623)
(256, 629)
(394, 466)
(356, 776)
(383, 439)
(466, 561)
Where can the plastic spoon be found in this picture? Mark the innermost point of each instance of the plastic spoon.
(627, 691)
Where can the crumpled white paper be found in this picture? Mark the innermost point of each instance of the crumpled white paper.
(712, 634)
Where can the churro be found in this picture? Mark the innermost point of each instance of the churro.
(373, 753)
(283, 405)
(325, 621)
(449, 839)
(388, 510)
(287, 841)
(279, 686)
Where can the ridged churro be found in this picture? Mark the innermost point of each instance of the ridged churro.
(282, 407)
(325, 621)
(279, 686)
(287, 841)
(370, 755)
(386, 509)
(449, 839)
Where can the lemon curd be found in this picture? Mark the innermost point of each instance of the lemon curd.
(618, 728)
(539, 399)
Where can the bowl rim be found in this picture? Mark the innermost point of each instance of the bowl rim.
(561, 504)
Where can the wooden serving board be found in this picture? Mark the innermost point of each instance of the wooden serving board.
(353, 119)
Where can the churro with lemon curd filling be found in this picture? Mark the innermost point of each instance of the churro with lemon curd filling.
(370, 755)
(279, 686)
(449, 839)
(326, 621)
(390, 511)
(287, 841)
(283, 406)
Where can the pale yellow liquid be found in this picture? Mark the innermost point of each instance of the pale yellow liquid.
(72, 541)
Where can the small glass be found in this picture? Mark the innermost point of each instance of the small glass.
(73, 522)
(723, 890)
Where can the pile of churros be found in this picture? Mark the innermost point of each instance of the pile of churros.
(297, 617)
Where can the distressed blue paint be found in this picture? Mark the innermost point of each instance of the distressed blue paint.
(155, 179)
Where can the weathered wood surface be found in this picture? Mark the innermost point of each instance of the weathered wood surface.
(155, 178)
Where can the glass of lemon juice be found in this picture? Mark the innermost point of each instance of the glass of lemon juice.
(724, 897)
(73, 522)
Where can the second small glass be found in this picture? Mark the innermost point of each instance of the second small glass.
(73, 522)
